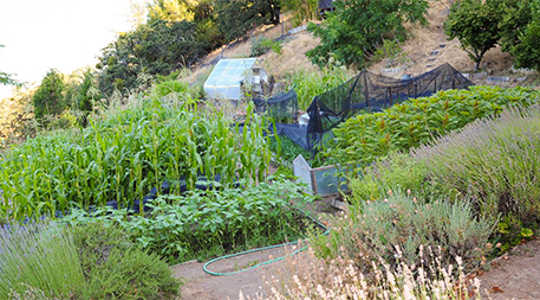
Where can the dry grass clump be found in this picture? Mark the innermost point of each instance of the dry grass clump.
(315, 278)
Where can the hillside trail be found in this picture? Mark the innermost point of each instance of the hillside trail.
(515, 275)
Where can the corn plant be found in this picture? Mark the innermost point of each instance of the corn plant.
(121, 156)
(310, 84)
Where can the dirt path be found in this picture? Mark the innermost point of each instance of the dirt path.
(200, 285)
(516, 275)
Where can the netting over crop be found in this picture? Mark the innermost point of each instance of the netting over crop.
(370, 92)
(365, 92)
(282, 108)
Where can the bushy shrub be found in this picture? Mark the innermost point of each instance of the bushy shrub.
(520, 31)
(261, 45)
(367, 137)
(123, 156)
(39, 256)
(527, 51)
(203, 224)
(397, 172)
(400, 226)
(493, 163)
(354, 30)
(115, 268)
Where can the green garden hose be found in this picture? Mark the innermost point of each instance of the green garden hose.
(205, 266)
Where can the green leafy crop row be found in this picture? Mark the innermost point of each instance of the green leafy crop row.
(124, 155)
(366, 137)
(204, 224)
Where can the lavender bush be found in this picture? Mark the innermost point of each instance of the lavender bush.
(39, 256)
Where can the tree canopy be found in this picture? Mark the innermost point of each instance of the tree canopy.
(354, 30)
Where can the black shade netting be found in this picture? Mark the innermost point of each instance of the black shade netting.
(283, 108)
(370, 92)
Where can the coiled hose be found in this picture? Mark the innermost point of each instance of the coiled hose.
(205, 266)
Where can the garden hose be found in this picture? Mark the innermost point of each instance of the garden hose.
(205, 266)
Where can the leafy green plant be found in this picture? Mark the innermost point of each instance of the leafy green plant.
(400, 227)
(125, 154)
(367, 137)
(310, 84)
(208, 223)
(261, 45)
(475, 24)
(354, 30)
(389, 49)
(40, 256)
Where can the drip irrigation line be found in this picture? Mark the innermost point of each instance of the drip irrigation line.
(205, 266)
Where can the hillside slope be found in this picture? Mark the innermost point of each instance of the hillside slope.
(427, 47)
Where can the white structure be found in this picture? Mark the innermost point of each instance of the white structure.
(224, 81)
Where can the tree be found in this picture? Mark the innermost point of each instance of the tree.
(236, 17)
(5, 78)
(172, 10)
(520, 31)
(354, 30)
(48, 98)
(158, 47)
(475, 24)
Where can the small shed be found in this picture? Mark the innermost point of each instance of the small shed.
(225, 80)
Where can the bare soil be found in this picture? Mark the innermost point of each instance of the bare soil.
(515, 275)
(200, 285)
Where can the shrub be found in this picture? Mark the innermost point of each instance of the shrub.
(203, 224)
(261, 45)
(493, 163)
(48, 98)
(520, 32)
(124, 155)
(367, 137)
(354, 30)
(115, 269)
(39, 256)
(527, 52)
(397, 172)
(376, 229)
(475, 24)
